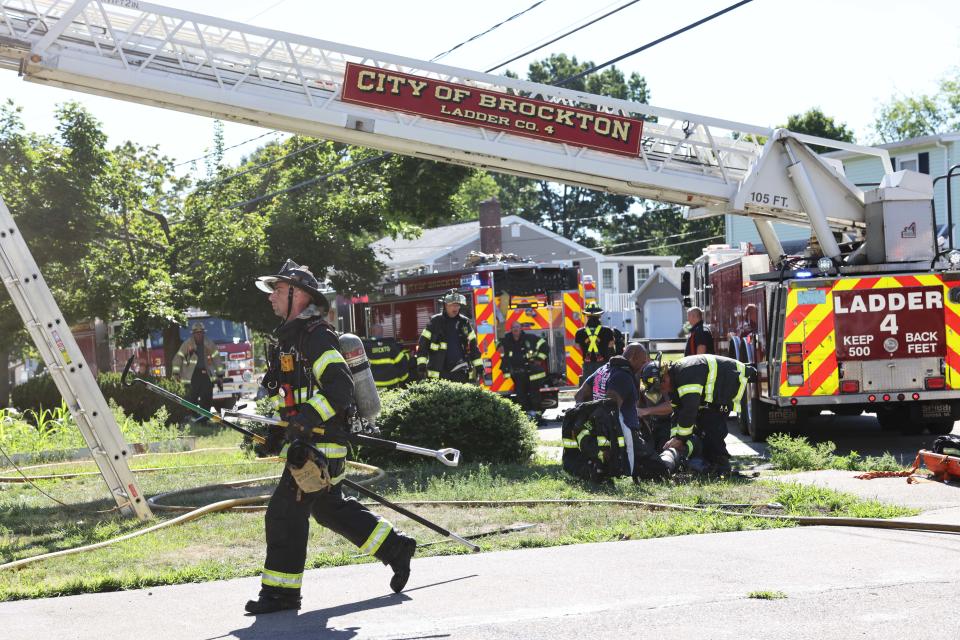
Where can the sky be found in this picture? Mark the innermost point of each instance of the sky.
(757, 64)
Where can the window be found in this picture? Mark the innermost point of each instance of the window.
(908, 163)
(642, 274)
(607, 282)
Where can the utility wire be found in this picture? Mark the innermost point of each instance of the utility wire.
(562, 36)
(494, 27)
(690, 26)
(268, 9)
(213, 153)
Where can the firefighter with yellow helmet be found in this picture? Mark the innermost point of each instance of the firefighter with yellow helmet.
(198, 363)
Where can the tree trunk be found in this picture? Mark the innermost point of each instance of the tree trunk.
(5, 377)
(171, 343)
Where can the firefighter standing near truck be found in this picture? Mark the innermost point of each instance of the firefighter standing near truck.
(448, 345)
(198, 363)
(309, 382)
(524, 358)
(597, 343)
(700, 339)
(702, 390)
(389, 361)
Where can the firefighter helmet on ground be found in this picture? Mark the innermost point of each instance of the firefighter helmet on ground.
(453, 297)
(592, 309)
(297, 276)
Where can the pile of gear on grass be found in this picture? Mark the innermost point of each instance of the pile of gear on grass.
(642, 418)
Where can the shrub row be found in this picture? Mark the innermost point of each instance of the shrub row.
(137, 401)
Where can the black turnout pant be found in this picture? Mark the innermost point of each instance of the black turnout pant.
(712, 426)
(288, 526)
(528, 392)
(200, 389)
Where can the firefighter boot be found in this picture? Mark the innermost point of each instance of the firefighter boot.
(269, 603)
(400, 563)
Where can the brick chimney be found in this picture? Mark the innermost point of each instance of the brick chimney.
(490, 231)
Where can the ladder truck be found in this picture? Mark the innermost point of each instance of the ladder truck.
(181, 60)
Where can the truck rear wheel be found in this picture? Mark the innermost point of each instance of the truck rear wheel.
(940, 427)
(756, 416)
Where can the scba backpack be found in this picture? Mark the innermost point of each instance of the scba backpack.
(593, 442)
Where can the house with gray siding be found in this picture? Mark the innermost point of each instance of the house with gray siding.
(659, 306)
(933, 155)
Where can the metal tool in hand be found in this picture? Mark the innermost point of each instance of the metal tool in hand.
(448, 456)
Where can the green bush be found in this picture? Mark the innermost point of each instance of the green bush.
(137, 402)
(484, 426)
(798, 454)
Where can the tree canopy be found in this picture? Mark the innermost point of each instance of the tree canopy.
(912, 116)
(815, 123)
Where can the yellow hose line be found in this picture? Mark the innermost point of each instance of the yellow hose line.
(192, 514)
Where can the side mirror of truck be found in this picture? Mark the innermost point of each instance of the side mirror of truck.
(687, 302)
(685, 286)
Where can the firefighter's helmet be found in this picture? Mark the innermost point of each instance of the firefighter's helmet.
(592, 309)
(453, 297)
(650, 376)
(197, 327)
(297, 276)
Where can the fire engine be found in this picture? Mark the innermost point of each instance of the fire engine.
(545, 299)
(866, 320)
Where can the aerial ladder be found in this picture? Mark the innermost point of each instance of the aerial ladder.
(180, 60)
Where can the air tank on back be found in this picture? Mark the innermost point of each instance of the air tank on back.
(365, 389)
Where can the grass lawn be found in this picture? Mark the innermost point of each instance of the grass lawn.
(230, 544)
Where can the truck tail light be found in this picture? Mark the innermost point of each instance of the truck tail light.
(794, 348)
(850, 386)
(937, 382)
(886, 397)
(794, 369)
(872, 398)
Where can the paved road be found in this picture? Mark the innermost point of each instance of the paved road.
(839, 583)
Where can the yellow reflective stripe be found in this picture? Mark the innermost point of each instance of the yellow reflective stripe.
(175, 368)
(711, 379)
(301, 394)
(376, 538)
(332, 450)
(471, 336)
(602, 442)
(742, 370)
(435, 346)
(583, 433)
(682, 432)
(388, 360)
(433, 374)
(277, 400)
(477, 362)
(570, 444)
(391, 381)
(593, 339)
(427, 334)
(328, 357)
(279, 579)
(421, 359)
(322, 405)
(689, 448)
(690, 388)
(620, 441)
(538, 376)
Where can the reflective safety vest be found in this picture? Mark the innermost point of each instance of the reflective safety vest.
(593, 339)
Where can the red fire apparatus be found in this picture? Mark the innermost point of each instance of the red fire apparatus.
(546, 299)
(829, 337)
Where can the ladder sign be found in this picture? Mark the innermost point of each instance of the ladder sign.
(465, 104)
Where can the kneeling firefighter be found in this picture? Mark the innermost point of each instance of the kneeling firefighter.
(310, 384)
(702, 390)
(602, 436)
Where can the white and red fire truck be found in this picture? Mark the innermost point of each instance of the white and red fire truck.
(867, 321)
(545, 299)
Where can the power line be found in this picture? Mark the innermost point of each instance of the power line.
(268, 9)
(561, 37)
(213, 153)
(692, 25)
(667, 246)
(480, 35)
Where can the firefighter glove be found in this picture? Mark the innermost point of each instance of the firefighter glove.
(297, 428)
(308, 467)
(273, 444)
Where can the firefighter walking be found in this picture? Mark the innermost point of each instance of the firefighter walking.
(198, 363)
(702, 390)
(597, 343)
(309, 382)
(448, 345)
(389, 361)
(524, 358)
